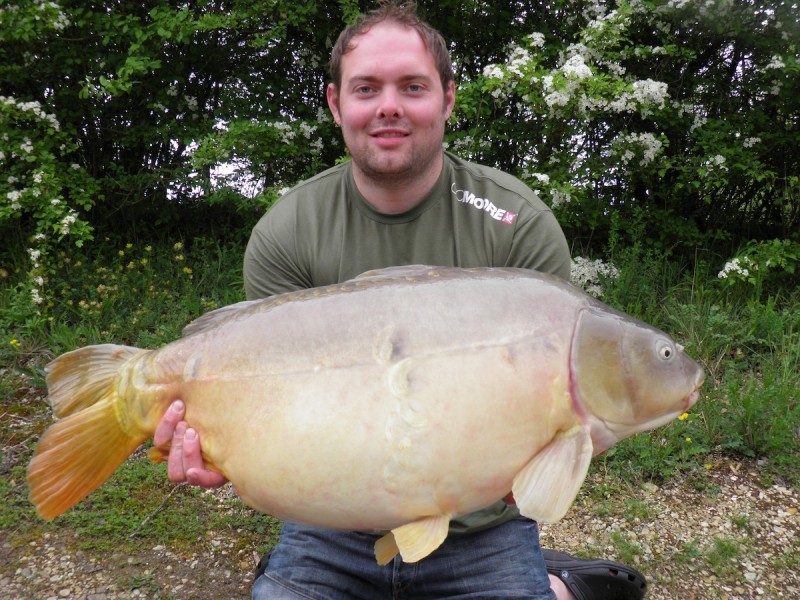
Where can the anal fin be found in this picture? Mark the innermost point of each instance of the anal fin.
(414, 541)
(386, 549)
(546, 487)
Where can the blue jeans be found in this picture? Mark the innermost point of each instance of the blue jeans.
(321, 564)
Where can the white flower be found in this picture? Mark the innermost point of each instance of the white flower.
(650, 145)
(557, 99)
(576, 67)
(559, 197)
(67, 221)
(776, 63)
(493, 72)
(586, 274)
(544, 178)
(536, 40)
(648, 91)
(322, 115)
(751, 141)
(307, 130)
(518, 59)
(738, 265)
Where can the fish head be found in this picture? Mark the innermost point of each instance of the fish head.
(626, 376)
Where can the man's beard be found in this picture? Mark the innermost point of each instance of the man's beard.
(394, 169)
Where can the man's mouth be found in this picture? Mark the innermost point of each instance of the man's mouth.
(389, 134)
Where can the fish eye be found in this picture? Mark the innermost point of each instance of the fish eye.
(665, 351)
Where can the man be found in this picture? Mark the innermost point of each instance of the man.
(402, 200)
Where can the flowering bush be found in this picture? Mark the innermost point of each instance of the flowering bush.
(42, 193)
(590, 274)
(624, 112)
(760, 263)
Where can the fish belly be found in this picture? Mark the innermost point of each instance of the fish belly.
(372, 437)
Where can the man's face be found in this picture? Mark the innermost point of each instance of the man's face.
(391, 105)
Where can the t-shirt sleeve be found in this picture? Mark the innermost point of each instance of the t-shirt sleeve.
(539, 243)
(272, 260)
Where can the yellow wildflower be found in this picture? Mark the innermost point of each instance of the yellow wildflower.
(688, 440)
(179, 257)
(129, 245)
(16, 343)
(121, 252)
(148, 248)
(683, 417)
(177, 246)
(3, 273)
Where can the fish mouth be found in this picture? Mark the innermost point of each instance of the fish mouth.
(694, 395)
(607, 433)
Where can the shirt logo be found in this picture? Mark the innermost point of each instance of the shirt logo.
(484, 204)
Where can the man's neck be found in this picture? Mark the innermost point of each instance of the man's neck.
(394, 195)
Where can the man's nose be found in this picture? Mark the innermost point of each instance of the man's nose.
(390, 106)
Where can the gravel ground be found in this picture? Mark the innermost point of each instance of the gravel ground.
(722, 535)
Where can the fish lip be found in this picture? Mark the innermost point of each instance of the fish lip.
(691, 399)
(694, 395)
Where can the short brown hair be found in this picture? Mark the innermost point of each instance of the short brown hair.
(404, 14)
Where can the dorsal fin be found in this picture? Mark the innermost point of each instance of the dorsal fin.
(216, 317)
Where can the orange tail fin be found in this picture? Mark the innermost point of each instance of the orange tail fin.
(81, 450)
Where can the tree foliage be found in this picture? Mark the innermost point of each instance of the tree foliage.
(121, 117)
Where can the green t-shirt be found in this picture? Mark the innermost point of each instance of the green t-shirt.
(323, 232)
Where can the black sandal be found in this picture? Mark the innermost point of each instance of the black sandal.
(596, 579)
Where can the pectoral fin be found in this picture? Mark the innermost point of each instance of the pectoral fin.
(413, 541)
(547, 486)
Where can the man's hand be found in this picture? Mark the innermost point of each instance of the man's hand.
(185, 461)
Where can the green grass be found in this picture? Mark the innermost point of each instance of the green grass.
(145, 294)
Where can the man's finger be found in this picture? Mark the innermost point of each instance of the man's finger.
(166, 426)
(205, 478)
(175, 468)
(196, 473)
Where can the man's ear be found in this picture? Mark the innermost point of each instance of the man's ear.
(449, 100)
(332, 95)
